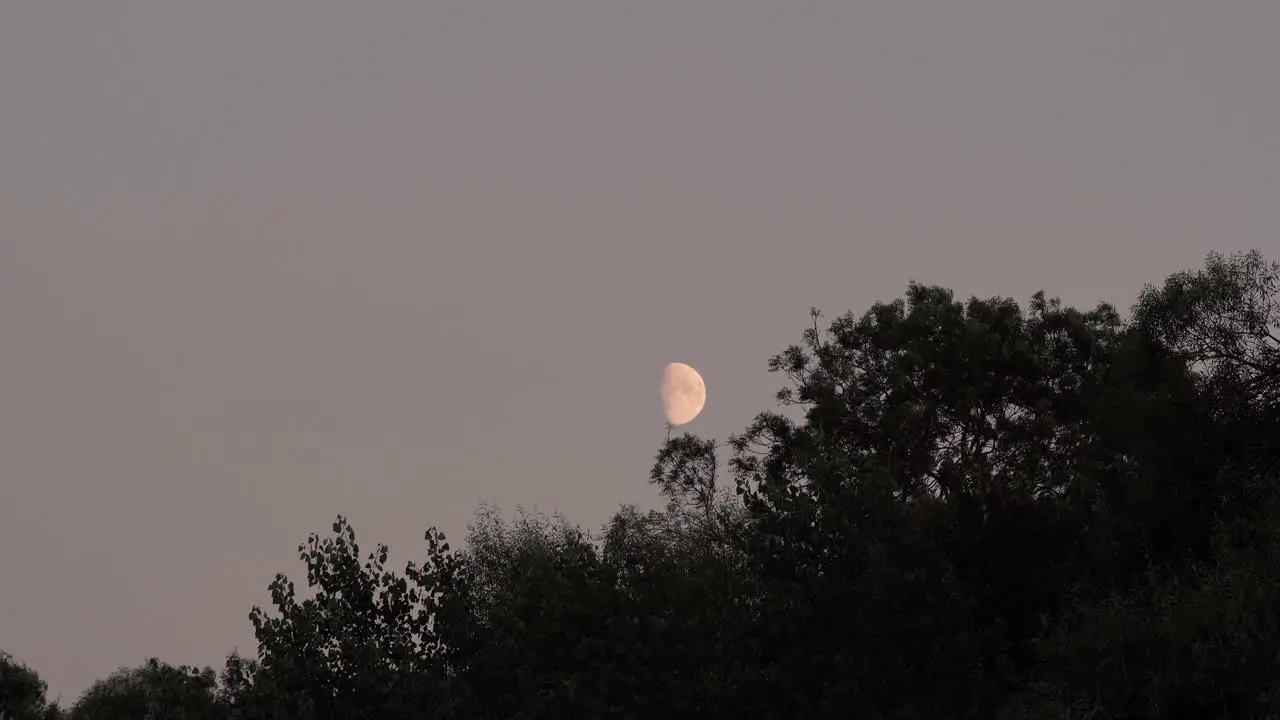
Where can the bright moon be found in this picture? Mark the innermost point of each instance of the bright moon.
(683, 393)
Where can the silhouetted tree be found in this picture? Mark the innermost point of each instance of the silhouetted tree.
(22, 693)
(1196, 634)
(152, 690)
(363, 646)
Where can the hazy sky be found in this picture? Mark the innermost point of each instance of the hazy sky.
(265, 261)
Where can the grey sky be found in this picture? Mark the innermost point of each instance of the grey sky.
(264, 261)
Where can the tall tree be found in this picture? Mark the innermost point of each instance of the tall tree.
(1194, 635)
(914, 520)
(1224, 321)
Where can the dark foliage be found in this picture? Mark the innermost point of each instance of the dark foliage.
(959, 510)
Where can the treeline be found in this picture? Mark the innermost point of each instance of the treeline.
(961, 510)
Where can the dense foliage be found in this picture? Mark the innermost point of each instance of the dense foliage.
(959, 510)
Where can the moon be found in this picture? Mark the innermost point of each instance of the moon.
(683, 393)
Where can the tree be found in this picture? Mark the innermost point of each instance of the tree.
(1225, 322)
(1196, 635)
(901, 520)
(152, 690)
(964, 476)
(690, 601)
(686, 471)
(1225, 319)
(652, 618)
(22, 693)
(363, 646)
(533, 640)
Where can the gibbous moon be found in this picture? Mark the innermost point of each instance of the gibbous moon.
(683, 393)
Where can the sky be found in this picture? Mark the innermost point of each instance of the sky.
(264, 262)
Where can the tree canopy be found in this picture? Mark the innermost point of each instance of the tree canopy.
(958, 509)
